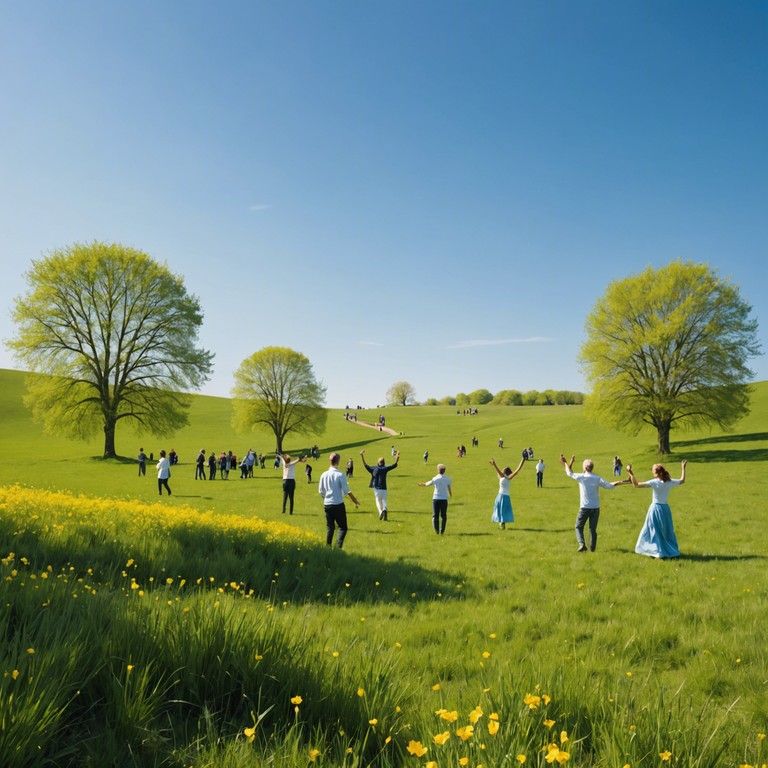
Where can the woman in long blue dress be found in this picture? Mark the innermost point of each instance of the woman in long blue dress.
(502, 507)
(657, 537)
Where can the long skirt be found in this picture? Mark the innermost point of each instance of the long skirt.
(502, 509)
(657, 538)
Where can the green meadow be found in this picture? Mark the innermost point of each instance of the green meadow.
(209, 629)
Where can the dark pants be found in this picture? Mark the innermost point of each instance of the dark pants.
(439, 514)
(336, 515)
(289, 486)
(211, 471)
(539, 479)
(163, 481)
(199, 472)
(587, 515)
(142, 468)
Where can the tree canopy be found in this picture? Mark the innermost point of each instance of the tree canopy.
(276, 386)
(669, 347)
(401, 393)
(113, 332)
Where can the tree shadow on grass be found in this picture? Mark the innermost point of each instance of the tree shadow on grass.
(725, 454)
(228, 560)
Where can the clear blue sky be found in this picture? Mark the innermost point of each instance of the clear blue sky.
(435, 191)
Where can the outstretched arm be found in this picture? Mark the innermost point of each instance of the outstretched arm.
(682, 470)
(567, 465)
(496, 467)
(519, 467)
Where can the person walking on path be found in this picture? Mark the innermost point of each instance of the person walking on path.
(589, 499)
(540, 467)
(657, 537)
(379, 481)
(142, 463)
(163, 473)
(334, 487)
(442, 485)
(289, 478)
(502, 507)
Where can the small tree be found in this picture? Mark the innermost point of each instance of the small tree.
(401, 393)
(114, 334)
(669, 347)
(277, 387)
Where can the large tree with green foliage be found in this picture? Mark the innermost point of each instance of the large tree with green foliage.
(401, 393)
(669, 347)
(113, 333)
(276, 386)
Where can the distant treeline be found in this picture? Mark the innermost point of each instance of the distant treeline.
(511, 397)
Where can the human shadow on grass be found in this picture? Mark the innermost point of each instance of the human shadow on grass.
(694, 556)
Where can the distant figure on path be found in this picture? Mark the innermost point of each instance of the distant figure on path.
(540, 467)
(163, 473)
(502, 507)
(333, 487)
(379, 481)
(589, 498)
(657, 537)
(617, 466)
(308, 472)
(142, 463)
(442, 491)
(426, 456)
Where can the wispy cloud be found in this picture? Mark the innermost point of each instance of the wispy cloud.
(258, 207)
(370, 344)
(499, 342)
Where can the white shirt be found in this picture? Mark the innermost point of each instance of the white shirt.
(540, 466)
(333, 486)
(441, 484)
(163, 468)
(661, 489)
(589, 488)
(504, 486)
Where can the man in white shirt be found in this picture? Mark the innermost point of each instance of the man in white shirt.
(589, 498)
(333, 487)
(540, 467)
(442, 485)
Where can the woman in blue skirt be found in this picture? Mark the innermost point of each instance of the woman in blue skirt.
(657, 538)
(502, 507)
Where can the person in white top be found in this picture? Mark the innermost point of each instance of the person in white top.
(333, 487)
(289, 478)
(442, 490)
(163, 473)
(657, 537)
(589, 498)
(540, 467)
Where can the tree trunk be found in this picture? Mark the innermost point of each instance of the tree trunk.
(109, 439)
(663, 438)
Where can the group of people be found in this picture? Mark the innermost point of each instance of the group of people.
(657, 537)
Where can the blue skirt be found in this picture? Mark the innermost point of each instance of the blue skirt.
(502, 510)
(657, 538)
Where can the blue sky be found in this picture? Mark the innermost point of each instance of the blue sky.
(433, 191)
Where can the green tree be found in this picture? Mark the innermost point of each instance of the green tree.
(113, 333)
(401, 393)
(508, 397)
(669, 347)
(480, 397)
(276, 386)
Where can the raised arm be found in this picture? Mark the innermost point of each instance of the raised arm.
(633, 478)
(362, 458)
(567, 465)
(683, 464)
(519, 467)
(493, 463)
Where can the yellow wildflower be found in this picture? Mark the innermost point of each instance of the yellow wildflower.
(466, 732)
(532, 701)
(549, 723)
(521, 759)
(313, 754)
(296, 700)
(493, 727)
(416, 748)
(665, 756)
(475, 715)
(450, 717)
(361, 692)
(250, 733)
(436, 687)
(441, 738)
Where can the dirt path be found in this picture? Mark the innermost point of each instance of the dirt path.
(374, 426)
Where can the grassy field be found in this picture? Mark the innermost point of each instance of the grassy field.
(644, 662)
